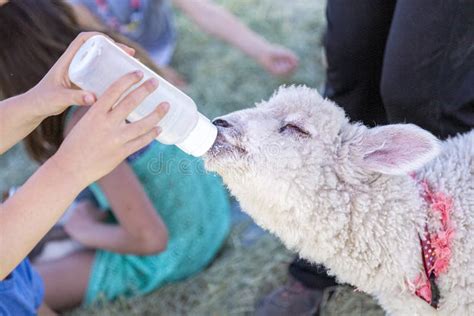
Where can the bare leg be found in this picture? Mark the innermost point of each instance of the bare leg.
(44, 310)
(66, 279)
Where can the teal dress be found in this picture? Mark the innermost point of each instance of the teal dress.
(195, 208)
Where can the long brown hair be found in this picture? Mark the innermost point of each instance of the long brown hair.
(33, 35)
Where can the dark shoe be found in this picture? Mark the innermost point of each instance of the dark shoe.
(291, 299)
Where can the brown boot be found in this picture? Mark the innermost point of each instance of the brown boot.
(291, 299)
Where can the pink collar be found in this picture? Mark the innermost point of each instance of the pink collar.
(435, 246)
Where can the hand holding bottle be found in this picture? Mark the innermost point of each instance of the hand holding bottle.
(99, 62)
(55, 92)
(102, 138)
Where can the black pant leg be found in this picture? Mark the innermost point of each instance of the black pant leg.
(355, 41)
(428, 72)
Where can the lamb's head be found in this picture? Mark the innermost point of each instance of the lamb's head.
(274, 143)
(284, 153)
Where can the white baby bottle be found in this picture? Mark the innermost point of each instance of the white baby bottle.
(99, 62)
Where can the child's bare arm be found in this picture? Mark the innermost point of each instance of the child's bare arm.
(16, 121)
(219, 22)
(140, 229)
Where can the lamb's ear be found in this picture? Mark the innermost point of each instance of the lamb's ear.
(397, 149)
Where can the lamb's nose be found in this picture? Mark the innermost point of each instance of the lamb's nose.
(221, 123)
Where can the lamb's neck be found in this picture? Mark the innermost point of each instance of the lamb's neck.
(380, 234)
(366, 233)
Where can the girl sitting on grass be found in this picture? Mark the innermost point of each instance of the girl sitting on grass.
(168, 218)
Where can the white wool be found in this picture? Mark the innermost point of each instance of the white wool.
(334, 197)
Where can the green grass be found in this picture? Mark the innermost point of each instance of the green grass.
(223, 80)
(230, 286)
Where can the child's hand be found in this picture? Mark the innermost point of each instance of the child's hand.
(277, 60)
(102, 138)
(83, 218)
(55, 92)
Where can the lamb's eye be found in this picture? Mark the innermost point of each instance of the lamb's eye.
(294, 128)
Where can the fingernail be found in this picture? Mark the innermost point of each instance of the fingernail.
(165, 106)
(138, 73)
(89, 99)
(153, 82)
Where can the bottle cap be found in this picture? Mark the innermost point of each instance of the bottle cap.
(201, 138)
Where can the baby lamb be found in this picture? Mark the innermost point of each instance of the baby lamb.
(388, 209)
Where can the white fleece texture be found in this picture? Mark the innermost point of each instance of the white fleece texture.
(340, 194)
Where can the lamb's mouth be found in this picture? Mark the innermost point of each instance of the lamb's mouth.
(222, 147)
